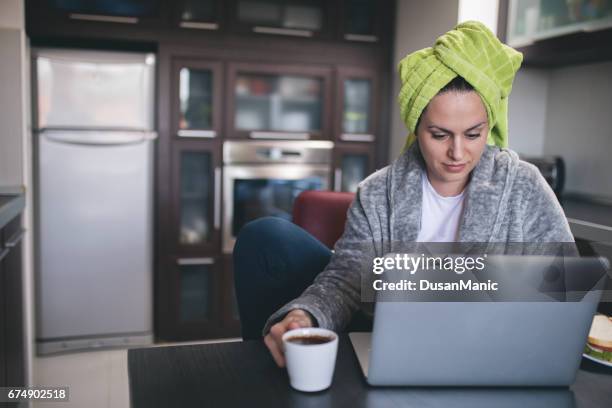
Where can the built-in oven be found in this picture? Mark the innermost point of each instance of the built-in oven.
(263, 178)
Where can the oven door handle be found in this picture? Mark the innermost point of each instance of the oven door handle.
(217, 203)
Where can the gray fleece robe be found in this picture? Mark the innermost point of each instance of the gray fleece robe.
(507, 201)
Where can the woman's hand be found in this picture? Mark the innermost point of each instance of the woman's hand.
(274, 339)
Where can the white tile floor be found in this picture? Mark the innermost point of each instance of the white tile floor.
(97, 379)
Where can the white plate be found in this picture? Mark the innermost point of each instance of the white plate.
(606, 363)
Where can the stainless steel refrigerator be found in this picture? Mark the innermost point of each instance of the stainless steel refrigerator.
(93, 138)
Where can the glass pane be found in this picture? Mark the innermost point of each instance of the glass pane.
(195, 96)
(296, 14)
(195, 292)
(356, 106)
(278, 103)
(254, 198)
(128, 8)
(548, 18)
(196, 169)
(354, 169)
(360, 16)
(198, 10)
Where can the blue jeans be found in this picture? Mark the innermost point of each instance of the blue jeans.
(274, 262)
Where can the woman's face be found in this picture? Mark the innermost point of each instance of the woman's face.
(452, 134)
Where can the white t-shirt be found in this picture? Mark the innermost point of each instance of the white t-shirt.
(440, 216)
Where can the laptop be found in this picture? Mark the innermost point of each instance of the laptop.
(533, 342)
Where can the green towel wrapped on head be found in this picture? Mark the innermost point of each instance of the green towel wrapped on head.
(473, 52)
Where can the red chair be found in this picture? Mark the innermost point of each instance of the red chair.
(322, 214)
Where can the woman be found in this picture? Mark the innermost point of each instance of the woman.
(455, 181)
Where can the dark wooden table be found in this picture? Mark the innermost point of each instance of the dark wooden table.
(244, 375)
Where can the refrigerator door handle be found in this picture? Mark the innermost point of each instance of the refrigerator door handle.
(98, 137)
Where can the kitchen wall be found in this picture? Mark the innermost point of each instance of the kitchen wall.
(11, 97)
(579, 126)
(15, 146)
(527, 109)
(417, 25)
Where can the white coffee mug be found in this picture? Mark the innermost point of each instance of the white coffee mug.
(310, 366)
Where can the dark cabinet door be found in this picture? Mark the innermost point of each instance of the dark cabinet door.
(356, 108)
(292, 18)
(3, 314)
(352, 164)
(278, 102)
(14, 317)
(196, 96)
(196, 197)
(206, 15)
(193, 290)
(361, 20)
(144, 13)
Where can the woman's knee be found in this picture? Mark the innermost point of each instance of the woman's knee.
(261, 233)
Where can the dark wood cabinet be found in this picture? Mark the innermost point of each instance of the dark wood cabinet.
(288, 102)
(191, 291)
(289, 18)
(194, 292)
(3, 313)
(227, 70)
(361, 20)
(109, 13)
(12, 345)
(205, 15)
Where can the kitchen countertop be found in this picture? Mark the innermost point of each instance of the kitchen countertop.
(12, 203)
(589, 220)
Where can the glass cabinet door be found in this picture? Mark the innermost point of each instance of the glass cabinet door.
(353, 164)
(196, 290)
(193, 289)
(356, 105)
(274, 104)
(199, 14)
(360, 20)
(302, 18)
(197, 197)
(531, 20)
(197, 98)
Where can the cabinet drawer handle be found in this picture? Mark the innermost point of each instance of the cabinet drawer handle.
(356, 137)
(360, 37)
(106, 19)
(16, 238)
(217, 210)
(195, 261)
(199, 25)
(4, 253)
(197, 133)
(279, 135)
(282, 31)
